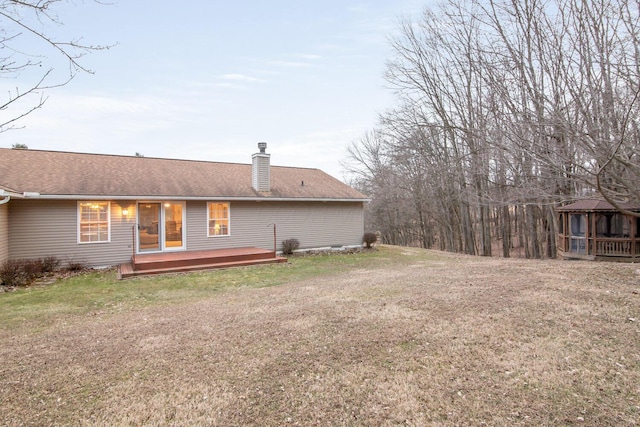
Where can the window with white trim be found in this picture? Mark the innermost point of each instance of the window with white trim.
(93, 222)
(218, 219)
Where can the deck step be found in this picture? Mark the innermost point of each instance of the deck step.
(127, 271)
(170, 262)
(194, 258)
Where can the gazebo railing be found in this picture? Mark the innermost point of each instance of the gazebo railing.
(604, 246)
(614, 247)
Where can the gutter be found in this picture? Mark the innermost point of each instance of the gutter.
(7, 195)
(200, 198)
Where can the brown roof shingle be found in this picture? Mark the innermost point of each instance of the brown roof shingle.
(55, 173)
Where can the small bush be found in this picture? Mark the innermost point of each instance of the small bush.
(32, 268)
(50, 264)
(11, 273)
(75, 266)
(369, 239)
(21, 272)
(290, 245)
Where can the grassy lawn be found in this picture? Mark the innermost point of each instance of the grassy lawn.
(101, 291)
(393, 337)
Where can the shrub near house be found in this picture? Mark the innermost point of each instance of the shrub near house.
(290, 245)
(24, 271)
(369, 239)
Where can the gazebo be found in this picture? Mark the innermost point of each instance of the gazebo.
(595, 230)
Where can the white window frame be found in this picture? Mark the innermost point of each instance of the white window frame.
(210, 219)
(79, 222)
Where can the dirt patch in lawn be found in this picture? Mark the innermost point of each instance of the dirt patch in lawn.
(457, 341)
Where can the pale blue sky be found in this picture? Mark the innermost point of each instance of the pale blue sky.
(208, 80)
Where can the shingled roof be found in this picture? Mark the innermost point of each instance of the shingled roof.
(56, 174)
(592, 205)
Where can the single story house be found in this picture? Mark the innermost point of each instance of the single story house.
(102, 210)
(595, 230)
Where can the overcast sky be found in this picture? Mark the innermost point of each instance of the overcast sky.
(208, 80)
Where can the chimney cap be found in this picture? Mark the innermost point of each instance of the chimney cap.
(262, 146)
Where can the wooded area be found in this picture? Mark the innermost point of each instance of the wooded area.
(505, 110)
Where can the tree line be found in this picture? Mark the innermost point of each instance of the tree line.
(505, 109)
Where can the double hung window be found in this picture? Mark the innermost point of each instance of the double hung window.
(93, 222)
(218, 219)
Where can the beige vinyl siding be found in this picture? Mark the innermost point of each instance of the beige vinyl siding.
(4, 232)
(314, 224)
(42, 228)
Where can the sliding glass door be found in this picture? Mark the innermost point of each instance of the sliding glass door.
(160, 226)
(173, 213)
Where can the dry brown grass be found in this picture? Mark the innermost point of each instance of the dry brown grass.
(451, 341)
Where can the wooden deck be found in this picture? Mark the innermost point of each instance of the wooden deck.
(173, 262)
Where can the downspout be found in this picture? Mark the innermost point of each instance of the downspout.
(5, 200)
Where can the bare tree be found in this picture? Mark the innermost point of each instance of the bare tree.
(510, 108)
(31, 21)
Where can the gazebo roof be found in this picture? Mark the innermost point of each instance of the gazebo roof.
(592, 205)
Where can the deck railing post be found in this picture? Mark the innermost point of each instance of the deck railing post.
(274, 239)
(275, 246)
(133, 246)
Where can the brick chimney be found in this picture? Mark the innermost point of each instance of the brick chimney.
(260, 169)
